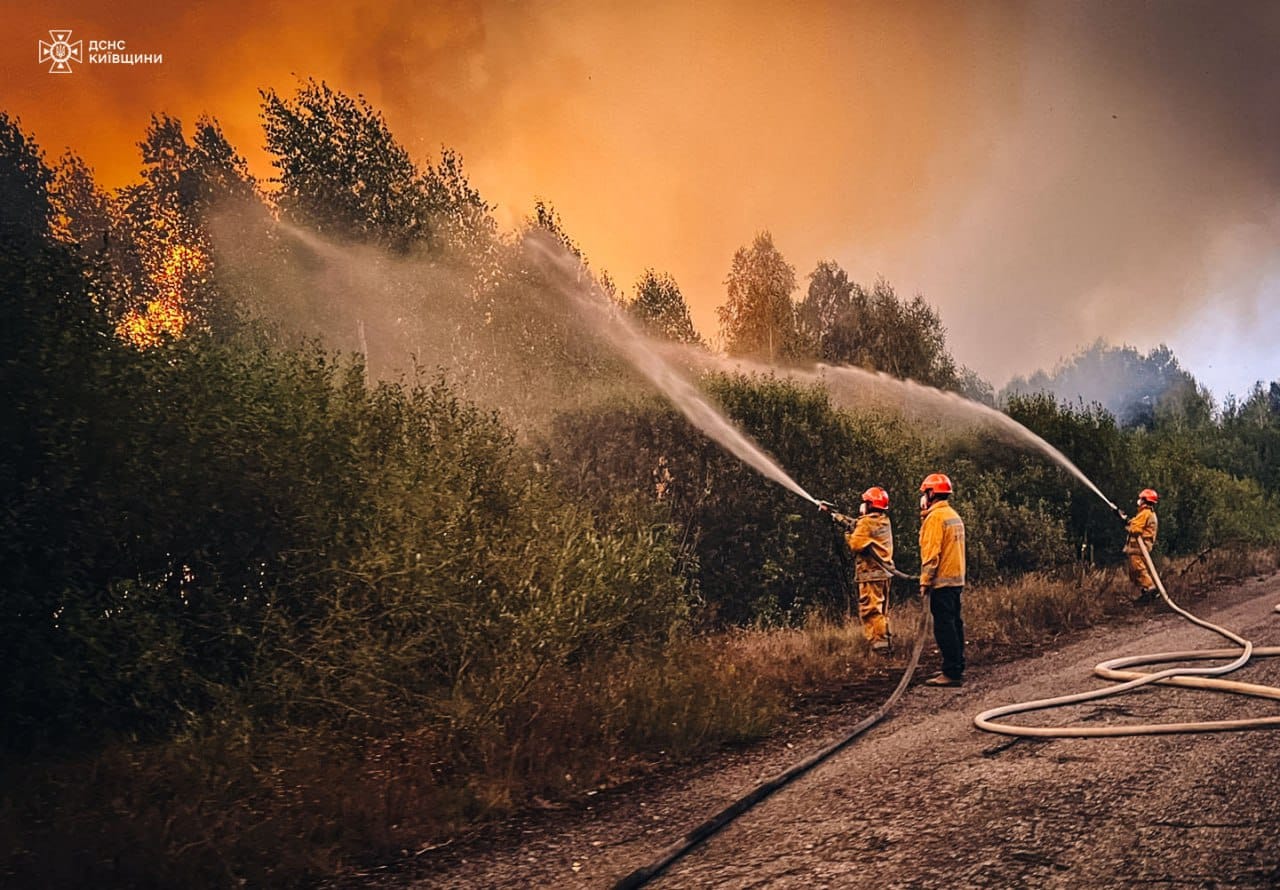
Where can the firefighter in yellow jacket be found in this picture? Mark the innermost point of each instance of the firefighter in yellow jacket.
(1142, 526)
(871, 540)
(942, 574)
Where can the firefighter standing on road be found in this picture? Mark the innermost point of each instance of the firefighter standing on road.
(871, 540)
(1142, 526)
(942, 575)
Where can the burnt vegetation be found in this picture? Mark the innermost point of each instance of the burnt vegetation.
(260, 564)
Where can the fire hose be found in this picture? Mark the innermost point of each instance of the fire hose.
(702, 832)
(1113, 669)
(1117, 669)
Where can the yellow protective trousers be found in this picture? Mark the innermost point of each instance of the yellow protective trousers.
(1138, 573)
(873, 601)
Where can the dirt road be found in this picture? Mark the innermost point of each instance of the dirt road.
(926, 800)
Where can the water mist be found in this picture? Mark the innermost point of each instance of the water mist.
(852, 387)
(612, 326)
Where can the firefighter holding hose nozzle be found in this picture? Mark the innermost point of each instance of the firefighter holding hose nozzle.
(1142, 526)
(870, 538)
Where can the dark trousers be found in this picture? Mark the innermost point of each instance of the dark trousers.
(948, 629)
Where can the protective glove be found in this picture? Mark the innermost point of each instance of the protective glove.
(836, 516)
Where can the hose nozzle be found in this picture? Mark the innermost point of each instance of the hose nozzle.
(837, 517)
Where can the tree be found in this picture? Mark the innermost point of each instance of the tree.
(219, 174)
(545, 225)
(458, 216)
(81, 209)
(87, 220)
(161, 232)
(1250, 444)
(908, 337)
(758, 318)
(547, 219)
(1140, 390)
(973, 387)
(824, 315)
(844, 323)
(59, 428)
(661, 308)
(341, 170)
(24, 186)
(533, 322)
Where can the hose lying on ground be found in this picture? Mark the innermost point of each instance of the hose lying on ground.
(643, 875)
(1114, 669)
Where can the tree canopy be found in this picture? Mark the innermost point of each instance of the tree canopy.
(661, 309)
(1138, 389)
(758, 318)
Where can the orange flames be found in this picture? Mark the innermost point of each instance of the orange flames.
(169, 313)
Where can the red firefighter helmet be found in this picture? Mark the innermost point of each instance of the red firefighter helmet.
(877, 497)
(936, 483)
(1149, 495)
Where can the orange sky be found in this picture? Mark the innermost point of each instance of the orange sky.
(994, 156)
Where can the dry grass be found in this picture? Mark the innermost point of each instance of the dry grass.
(1218, 566)
(232, 807)
(796, 658)
(1039, 606)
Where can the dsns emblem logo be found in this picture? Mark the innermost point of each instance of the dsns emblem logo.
(61, 53)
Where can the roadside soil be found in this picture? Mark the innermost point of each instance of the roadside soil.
(927, 800)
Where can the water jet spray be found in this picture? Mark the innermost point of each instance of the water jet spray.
(637, 349)
(863, 387)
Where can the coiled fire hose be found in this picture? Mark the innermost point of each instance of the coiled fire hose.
(1116, 669)
(643, 875)
(1113, 669)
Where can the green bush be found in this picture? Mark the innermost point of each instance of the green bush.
(1202, 507)
(754, 552)
(1003, 538)
(260, 527)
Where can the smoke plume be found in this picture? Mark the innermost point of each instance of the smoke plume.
(1045, 173)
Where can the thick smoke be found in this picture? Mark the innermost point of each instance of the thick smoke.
(1134, 195)
(1045, 173)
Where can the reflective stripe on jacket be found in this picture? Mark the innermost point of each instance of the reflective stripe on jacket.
(941, 547)
(1144, 526)
(870, 540)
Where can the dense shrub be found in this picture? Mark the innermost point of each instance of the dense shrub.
(755, 551)
(257, 519)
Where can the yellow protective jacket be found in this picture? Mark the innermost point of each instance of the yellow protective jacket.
(871, 539)
(1144, 526)
(941, 547)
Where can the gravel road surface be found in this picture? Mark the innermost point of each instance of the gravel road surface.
(927, 800)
